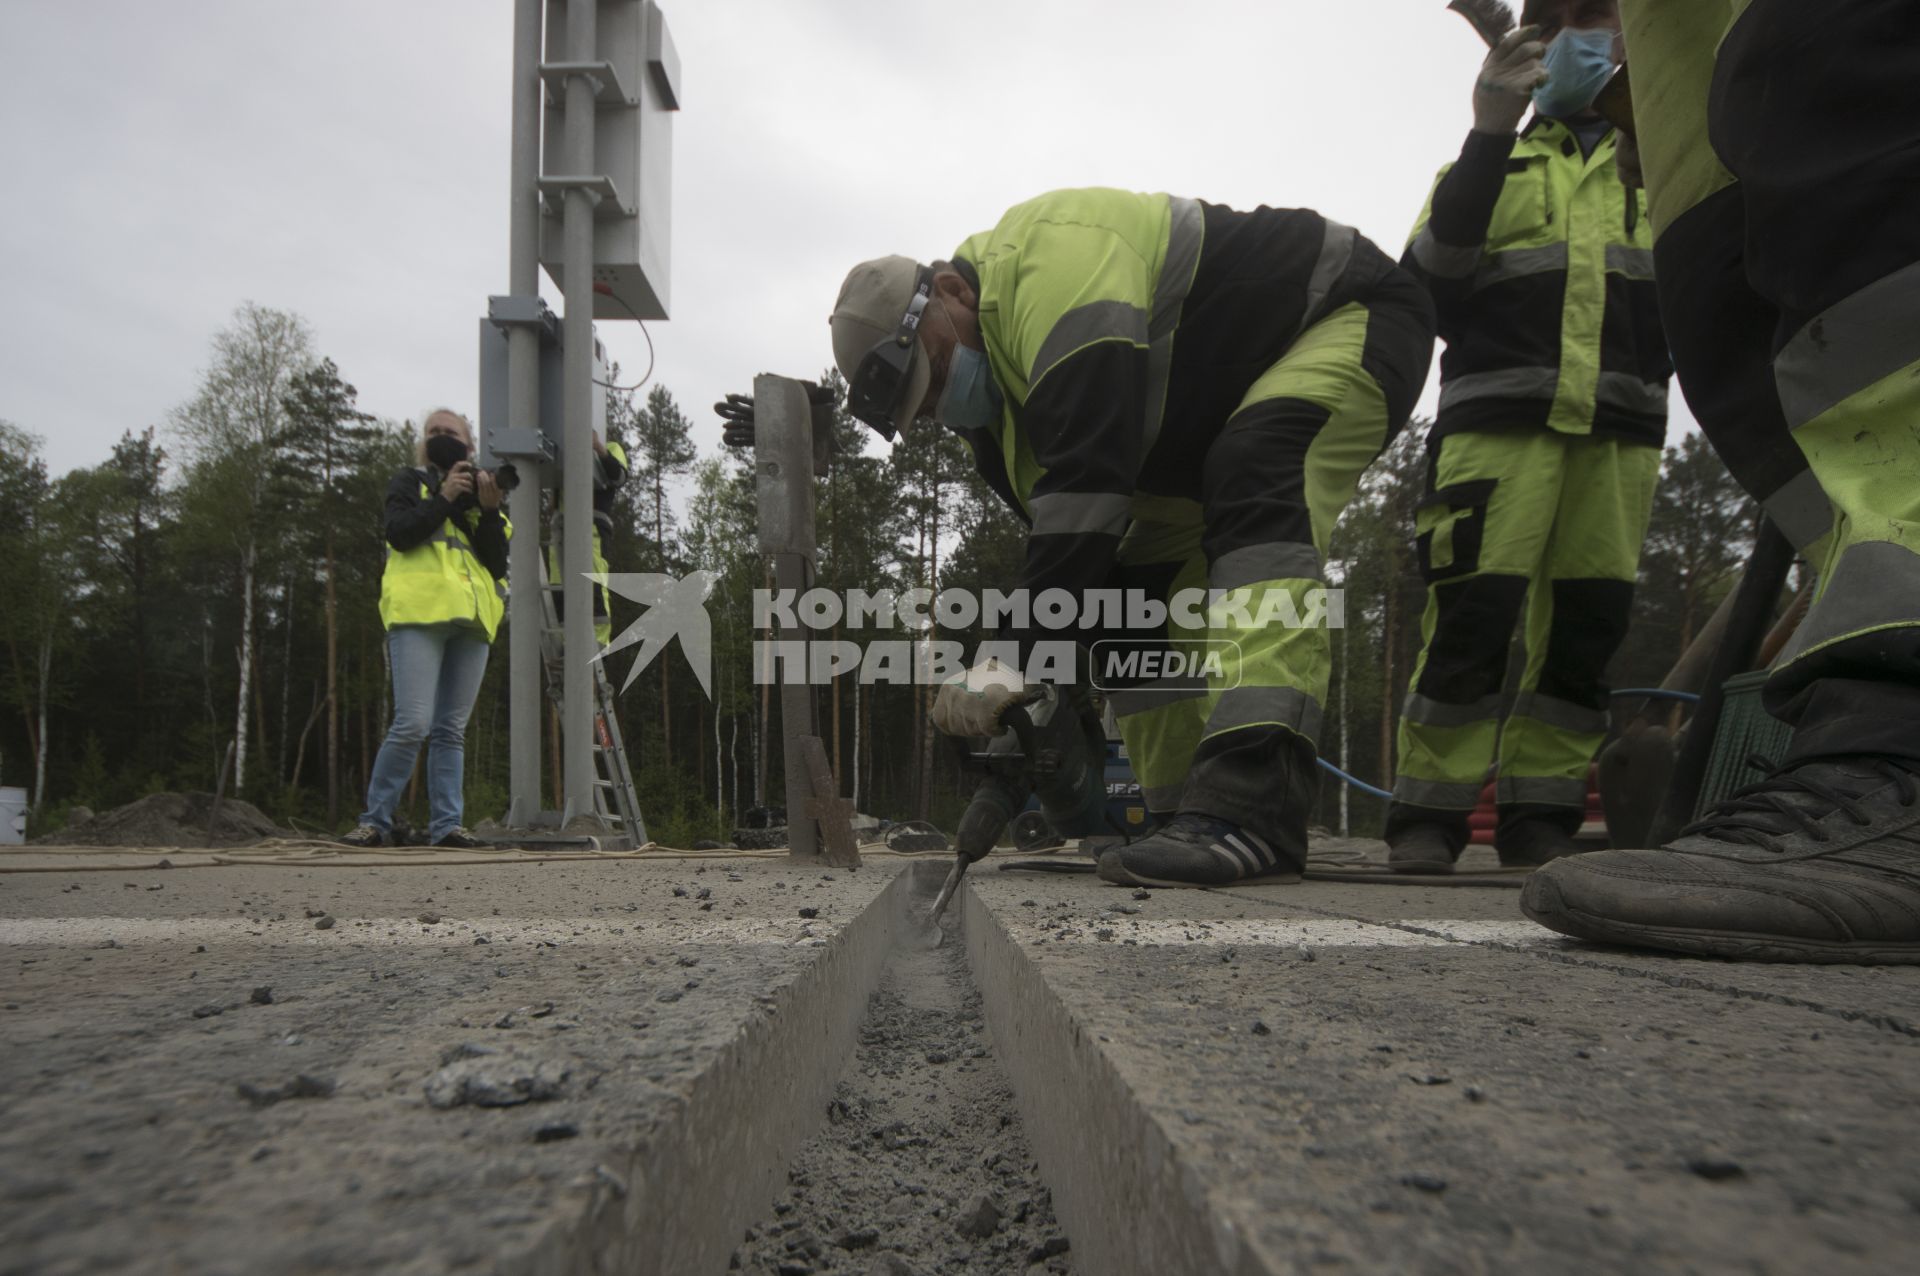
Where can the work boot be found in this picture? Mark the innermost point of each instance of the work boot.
(1819, 862)
(461, 840)
(364, 836)
(1195, 850)
(1531, 843)
(1421, 848)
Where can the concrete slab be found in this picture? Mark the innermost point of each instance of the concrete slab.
(1325, 1077)
(157, 1114)
(1886, 995)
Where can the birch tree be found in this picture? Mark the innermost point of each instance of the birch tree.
(232, 429)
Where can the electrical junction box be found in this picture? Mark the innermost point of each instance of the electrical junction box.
(536, 447)
(638, 73)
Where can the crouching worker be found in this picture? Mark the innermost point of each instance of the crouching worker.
(441, 598)
(1177, 398)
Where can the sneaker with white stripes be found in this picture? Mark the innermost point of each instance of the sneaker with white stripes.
(1196, 850)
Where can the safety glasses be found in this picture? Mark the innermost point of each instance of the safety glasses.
(874, 391)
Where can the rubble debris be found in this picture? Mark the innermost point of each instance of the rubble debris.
(1716, 1169)
(303, 1086)
(496, 1079)
(326, 922)
(981, 1218)
(166, 819)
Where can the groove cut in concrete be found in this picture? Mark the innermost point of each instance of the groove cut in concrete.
(1119, 1188)
(705, 1171)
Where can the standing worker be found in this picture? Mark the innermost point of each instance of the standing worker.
(1543, 460)
(1175, 396)
(442, 594)
(1781, 147)
(609, 472)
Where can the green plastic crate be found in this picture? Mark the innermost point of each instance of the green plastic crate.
(1745, 728)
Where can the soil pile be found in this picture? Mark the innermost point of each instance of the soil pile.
(169, 819)
(923, 1166)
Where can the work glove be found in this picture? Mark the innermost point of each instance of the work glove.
(737, 413)
(1507, 80)
(970, 704)
(1626, 162)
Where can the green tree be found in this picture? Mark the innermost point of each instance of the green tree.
(662, 452)
(234, 428)
(336, 440)
(30, 571)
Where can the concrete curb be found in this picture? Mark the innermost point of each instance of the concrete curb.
(694, 1181)
(1121, 1189)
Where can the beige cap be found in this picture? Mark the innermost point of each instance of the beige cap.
(872, 302)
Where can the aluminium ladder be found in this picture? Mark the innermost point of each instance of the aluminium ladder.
(611, 773)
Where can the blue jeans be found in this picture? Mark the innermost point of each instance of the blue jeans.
(436, 674)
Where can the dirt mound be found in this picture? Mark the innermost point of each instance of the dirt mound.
(168, 819)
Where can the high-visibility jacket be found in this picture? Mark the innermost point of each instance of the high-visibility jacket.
(1123, 330)
(443, 565)
(1540, 262)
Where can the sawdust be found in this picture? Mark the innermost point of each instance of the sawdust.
(169, 819)
(923, 1165)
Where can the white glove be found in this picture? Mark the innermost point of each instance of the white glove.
(970, 704)
(1507, 80)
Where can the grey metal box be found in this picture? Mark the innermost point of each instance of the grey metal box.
(529, 443)
(633, 146)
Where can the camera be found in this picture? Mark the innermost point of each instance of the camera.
(505, 476)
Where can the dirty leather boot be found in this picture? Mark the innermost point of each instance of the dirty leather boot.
(1529, 843)
(1421, 848)
(1819, 862)
(1196, 850)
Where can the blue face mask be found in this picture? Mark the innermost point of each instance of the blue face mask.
(1578, 63)
(970, 400)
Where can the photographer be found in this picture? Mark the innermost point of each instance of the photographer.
(441, 598)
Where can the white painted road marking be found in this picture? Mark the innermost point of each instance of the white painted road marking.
(91, 932)
(1289, 932)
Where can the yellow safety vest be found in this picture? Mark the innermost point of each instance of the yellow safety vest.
(443, 581)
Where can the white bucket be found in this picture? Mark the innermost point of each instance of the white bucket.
(13, 817)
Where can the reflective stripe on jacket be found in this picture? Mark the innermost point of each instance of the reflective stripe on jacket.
(1123, 329)
(444, 577)
(1540, 263)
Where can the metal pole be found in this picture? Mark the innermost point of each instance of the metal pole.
(576, 557)
(523, 411)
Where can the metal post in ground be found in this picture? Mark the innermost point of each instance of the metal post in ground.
(783, 473)
(523, 405)
(576, 491)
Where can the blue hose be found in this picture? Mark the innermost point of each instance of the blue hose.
(1362, 785)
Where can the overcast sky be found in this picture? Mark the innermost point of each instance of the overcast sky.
(347, 160)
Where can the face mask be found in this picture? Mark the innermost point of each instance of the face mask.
(1578, 63)
(970, 400)
(444, 451)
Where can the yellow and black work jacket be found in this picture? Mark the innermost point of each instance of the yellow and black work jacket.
(446, 564)
(1540, 263)
(1123, 330)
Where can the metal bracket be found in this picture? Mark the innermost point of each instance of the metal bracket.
(521, 445)
(508, 312)
(607, 88)
(607, 203)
